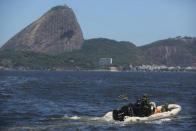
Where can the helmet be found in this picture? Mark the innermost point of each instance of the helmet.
(153, 105)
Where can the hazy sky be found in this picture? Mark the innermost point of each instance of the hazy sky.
(137, 21)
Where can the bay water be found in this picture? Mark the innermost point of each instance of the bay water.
(78, 100)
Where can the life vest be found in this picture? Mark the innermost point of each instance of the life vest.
(157, 111)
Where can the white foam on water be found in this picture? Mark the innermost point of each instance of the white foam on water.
(75, 118)
(160, 121)
(105, 118)
(85, 118)
(108, 118)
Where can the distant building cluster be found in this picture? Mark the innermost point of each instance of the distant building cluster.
(105, 62)
(148, 68)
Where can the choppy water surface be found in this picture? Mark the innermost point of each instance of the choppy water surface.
(38, 100)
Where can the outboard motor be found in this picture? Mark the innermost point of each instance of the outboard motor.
(118, 115)
(124, 111)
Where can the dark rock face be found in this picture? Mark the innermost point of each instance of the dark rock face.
(179, 51)
(55, 32)
(170, 56)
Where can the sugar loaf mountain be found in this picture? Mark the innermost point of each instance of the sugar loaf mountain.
(55, 42)
(57, 31)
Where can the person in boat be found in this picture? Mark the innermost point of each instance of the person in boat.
(164, 108)
(141, 108)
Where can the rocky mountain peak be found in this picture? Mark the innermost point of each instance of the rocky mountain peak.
(57, 31)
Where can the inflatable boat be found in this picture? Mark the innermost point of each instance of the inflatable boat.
(174, 109)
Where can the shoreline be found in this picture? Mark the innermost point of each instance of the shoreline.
(94, 70)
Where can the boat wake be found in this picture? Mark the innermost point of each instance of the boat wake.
(105, 118)
(108, 118)
(160, 121)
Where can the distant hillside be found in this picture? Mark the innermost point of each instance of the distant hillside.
(57, 31)
(179, 51)
(41, 61)
(123, 54)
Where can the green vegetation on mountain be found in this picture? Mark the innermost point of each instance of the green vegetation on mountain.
(170, 52)
(123, 54)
